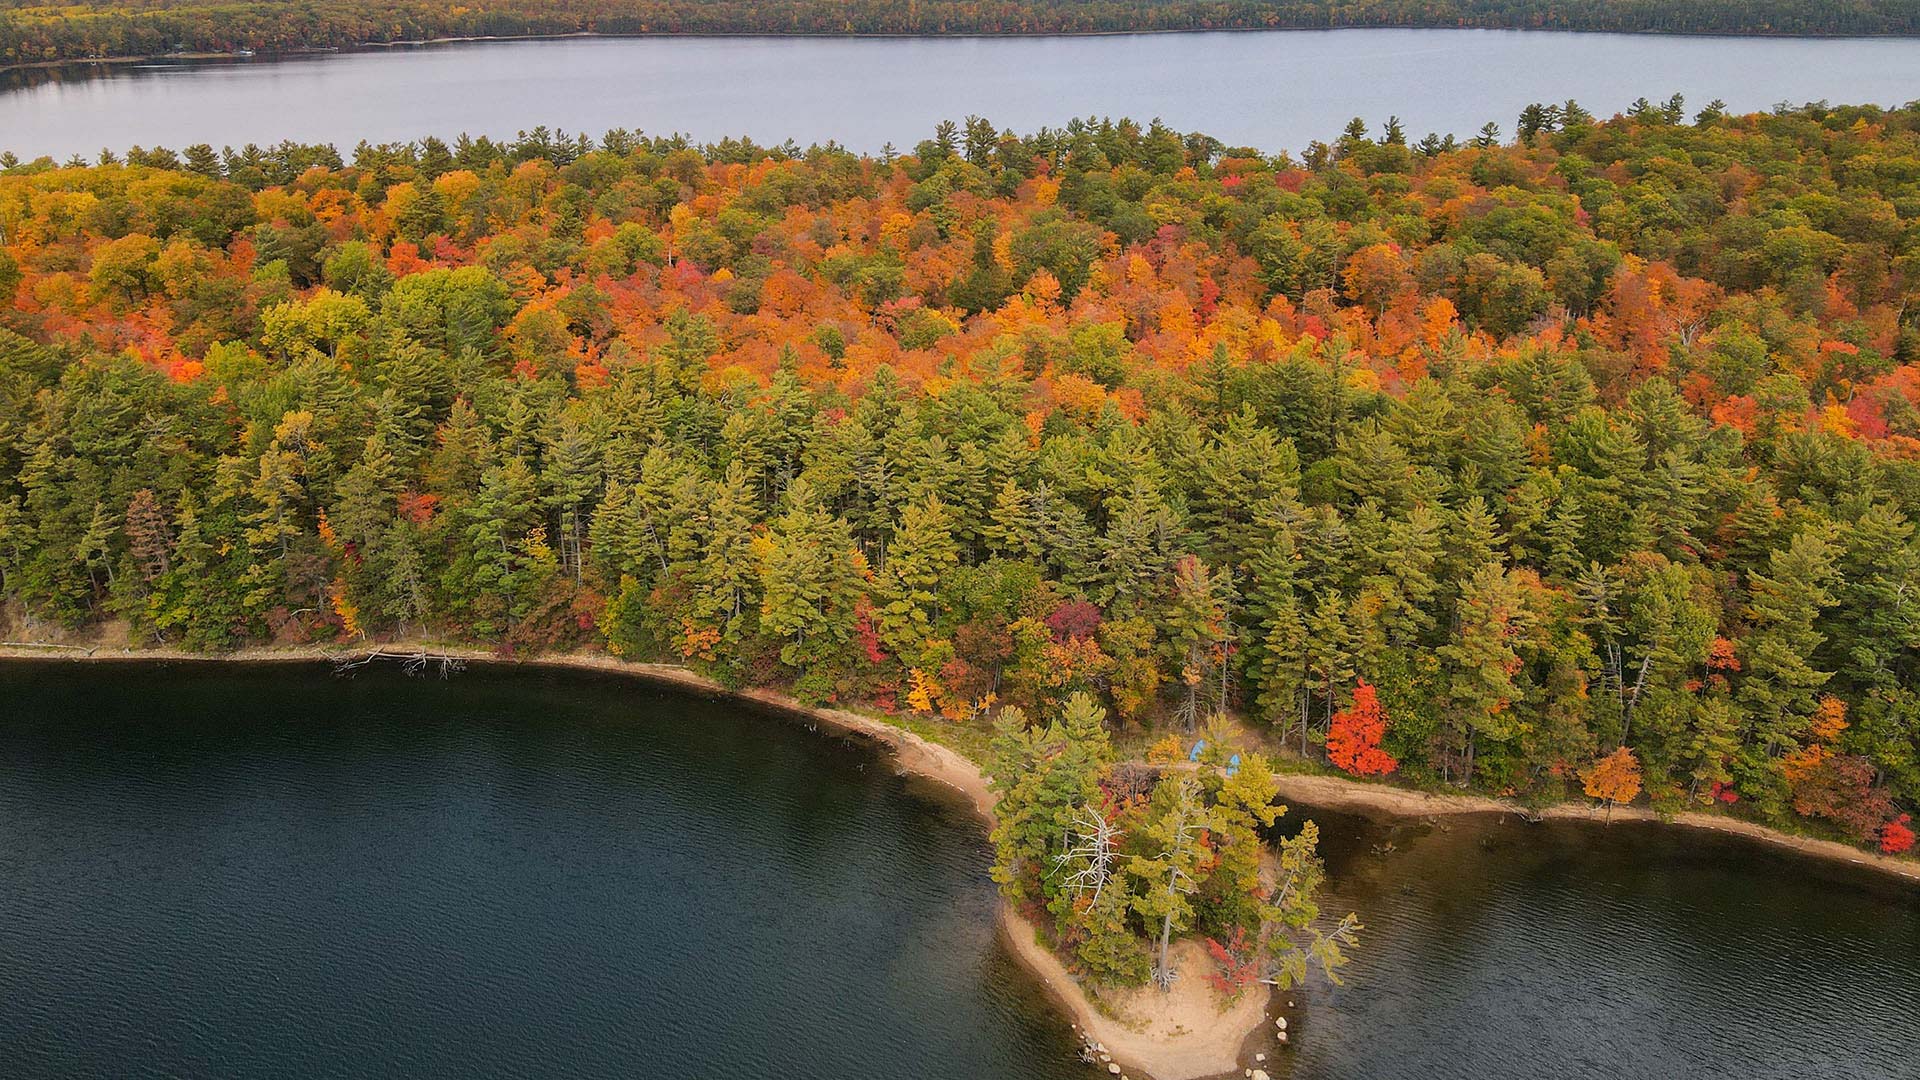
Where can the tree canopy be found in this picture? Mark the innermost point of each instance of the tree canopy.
(1605, 437)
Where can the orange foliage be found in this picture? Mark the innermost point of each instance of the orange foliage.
(1614, 778)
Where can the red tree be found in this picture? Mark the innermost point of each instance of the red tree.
(1896, 836)
(1074, 620)
(1841, 789)
(1353, 742)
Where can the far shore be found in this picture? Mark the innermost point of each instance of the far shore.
(1188, 1040)
(404, 43)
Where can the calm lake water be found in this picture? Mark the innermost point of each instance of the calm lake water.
(1502, 950)
(220, 871)
(270, 872)
(1274, 90)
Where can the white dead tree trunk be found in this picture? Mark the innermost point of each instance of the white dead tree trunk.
(1087, 852)
(413, 663)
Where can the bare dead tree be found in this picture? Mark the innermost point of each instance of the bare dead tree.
(88, 649)
(1087, 852)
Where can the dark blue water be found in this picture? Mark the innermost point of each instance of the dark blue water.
(1503, 950)
(234, 871)
(268, 872)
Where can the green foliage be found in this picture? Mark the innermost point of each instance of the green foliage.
(1604, 438)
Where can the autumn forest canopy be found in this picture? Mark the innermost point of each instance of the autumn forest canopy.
(34, 31)
(1585, 462)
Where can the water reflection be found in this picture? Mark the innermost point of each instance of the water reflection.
(1275, 90)
(1502, 949)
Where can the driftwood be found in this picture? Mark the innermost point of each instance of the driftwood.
(413, 663)
(88, 649)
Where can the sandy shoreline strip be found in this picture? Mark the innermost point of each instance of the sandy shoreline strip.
(1382, 800)
(954, 770)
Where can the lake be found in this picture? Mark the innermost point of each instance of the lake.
(1503, 950)
(270, 872)
(1273, 90)
(239, 871)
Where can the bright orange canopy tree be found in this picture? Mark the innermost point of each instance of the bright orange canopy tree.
(1615, 778)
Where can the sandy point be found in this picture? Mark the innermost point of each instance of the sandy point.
(1183, 1034)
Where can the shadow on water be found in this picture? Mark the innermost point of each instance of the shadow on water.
(81, 72)
(1499, 948)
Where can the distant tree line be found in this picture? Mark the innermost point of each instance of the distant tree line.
(35, 32)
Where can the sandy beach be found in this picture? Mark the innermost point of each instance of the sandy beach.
(1382, 800)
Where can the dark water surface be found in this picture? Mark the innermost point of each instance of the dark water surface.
(233, 871)
(1503, 950)
(268, 872)
(1276, 90)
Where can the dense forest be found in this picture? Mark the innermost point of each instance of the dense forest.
(34, 32)
(1120, 856)
(1587, 461)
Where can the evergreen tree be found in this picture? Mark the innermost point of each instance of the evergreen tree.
(1780, 682)
(921, 557)
(810, 576)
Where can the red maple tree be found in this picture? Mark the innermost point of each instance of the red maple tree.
(1353, 742)
(1896, 836)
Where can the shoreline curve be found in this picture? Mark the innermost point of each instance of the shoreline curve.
(1383, 800)
(1139, 1054)
(953, 770)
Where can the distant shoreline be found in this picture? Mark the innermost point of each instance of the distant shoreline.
(459, 39)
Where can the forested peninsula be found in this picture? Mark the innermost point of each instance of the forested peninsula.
(1582, 465)
(32, 31)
